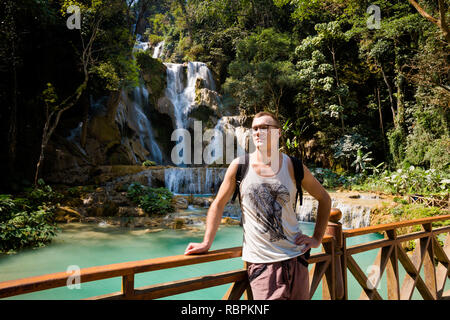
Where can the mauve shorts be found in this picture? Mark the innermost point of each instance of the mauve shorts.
(283, 280)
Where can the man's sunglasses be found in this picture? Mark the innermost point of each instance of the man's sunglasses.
(263, 127)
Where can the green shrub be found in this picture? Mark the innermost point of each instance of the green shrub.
(24, 223)
(397, 144)
(329, 178)
(42, 194)
(151, 200)
(409, 180)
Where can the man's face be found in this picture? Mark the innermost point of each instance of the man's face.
(265, 132)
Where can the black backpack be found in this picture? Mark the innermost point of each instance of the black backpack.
(298, 173)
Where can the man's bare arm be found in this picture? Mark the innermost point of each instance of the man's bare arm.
(314, 188)
(215, 211)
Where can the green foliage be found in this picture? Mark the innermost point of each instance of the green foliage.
(152, 200)
(328, 178)
(28, 221)
(304, 9)
(417, 211)
(49, 95)
(428, 144)
(397, 144)
(262, 72)
(411, 180)
(148, 163)
(350, 147)
(42, 194)
(106, 71)
(153, 72)
(362, 161)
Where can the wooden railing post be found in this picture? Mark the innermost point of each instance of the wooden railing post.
(248, 294)
(334, 229)
(128, 285)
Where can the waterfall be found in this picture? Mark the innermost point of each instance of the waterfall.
(199, 70)
(355, 213)
(175, 92)
(182, 97)
(144, 126)
(141, 45)
(193, 180)
(75, 137)
(158, 50)
(131, 114)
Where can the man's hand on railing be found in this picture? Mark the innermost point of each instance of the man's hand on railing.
(195, 247)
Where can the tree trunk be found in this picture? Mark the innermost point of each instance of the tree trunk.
(341, 114)
(381, 119)
(140, 16)
(391, 97)
(400, 105)
(44, 142)
(69, 102)
(440, 23)
(84, 128)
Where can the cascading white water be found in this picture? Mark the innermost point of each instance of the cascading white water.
(355, 214)
(141, 45)
(193, 180)
(146, 136)
(131, 114)
(75, 136)
(175, 92)
(199, 70)
(181, 96)
(158, 50)
(237, 140)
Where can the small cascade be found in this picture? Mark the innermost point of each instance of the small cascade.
(158, 50)
(140, 45)
(232, 128)
(144, 125)
(199, 70)
(181, 87)
(75, 136)
(131, 114)
(175, 92)
(193, 180)
(355, 213)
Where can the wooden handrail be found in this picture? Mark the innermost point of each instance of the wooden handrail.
(161, 290)
(330, 267)
(59, 279)
(393, 225)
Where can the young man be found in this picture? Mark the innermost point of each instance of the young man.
(273, 242)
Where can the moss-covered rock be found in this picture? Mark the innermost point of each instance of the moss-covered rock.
(154, 74)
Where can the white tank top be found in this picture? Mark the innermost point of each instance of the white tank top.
(268, 217)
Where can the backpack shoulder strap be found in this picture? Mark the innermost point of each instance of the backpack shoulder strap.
(298, 173)
(240, 175)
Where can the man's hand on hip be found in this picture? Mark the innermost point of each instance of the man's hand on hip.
(309, 242)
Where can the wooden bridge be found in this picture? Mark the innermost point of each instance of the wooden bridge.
(330, 267)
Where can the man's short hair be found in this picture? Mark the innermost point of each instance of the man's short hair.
(265, 113)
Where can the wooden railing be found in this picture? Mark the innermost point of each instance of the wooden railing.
(327, 267)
